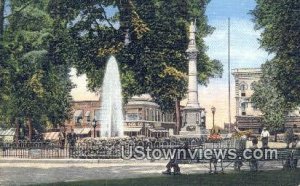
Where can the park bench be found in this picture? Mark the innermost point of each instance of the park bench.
(288, 157)
(214, 162)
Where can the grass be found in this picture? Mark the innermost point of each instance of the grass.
(286, 178)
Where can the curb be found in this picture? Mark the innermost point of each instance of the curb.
(75, 161)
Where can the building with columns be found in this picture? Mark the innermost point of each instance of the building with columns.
(247, 116)
(142, 117)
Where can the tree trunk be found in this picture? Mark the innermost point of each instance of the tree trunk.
(275, 136)
(2, 4)
(29, 123)
(178, 115)
(17, 125)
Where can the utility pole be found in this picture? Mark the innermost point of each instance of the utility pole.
(229, 90)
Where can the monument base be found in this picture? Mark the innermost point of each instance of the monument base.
(191, 122)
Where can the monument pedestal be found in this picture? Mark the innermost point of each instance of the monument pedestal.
(191, 121)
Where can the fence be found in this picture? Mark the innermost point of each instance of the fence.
(35, 150)
(98, 149)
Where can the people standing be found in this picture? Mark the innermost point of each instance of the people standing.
(72, 139)
(289, 137)
(265, 137)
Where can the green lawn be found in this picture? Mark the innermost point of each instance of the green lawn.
(242, 179)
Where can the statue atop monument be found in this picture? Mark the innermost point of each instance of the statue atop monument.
(192, 48)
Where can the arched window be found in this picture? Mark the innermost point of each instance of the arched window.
(243, 86)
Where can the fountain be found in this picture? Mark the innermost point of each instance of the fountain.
(111, 112)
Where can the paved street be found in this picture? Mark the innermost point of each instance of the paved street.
(24, 172)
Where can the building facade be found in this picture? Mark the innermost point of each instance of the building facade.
(83, 113)
(247, 116)
(142, 117)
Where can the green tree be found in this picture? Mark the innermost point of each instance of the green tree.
(154, 61)
(269, 100)
(280, 25)
(39, 82)
(277, 93)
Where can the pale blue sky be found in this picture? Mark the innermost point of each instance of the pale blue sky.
(245, 52)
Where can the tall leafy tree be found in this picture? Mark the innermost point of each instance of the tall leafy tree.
(269, 100)
(280, 25)
(39, 82)
(277, 93)
(154, 59)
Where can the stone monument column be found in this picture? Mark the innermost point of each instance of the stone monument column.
(192, 52)
(191, 113)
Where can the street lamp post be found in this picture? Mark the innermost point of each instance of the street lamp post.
(94, 124)
(213, 110)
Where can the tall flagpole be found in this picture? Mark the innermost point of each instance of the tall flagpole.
(229, 91)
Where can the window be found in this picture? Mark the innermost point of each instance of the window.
(244, 105)
(243, 86)
(243, 94)
(132, 116)
(88, 116)
(78, 115)
(243, 113)
(97, 114)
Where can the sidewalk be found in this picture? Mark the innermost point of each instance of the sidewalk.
(23, 172)
(36, 171)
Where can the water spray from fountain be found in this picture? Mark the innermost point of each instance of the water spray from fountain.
(111, 111)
